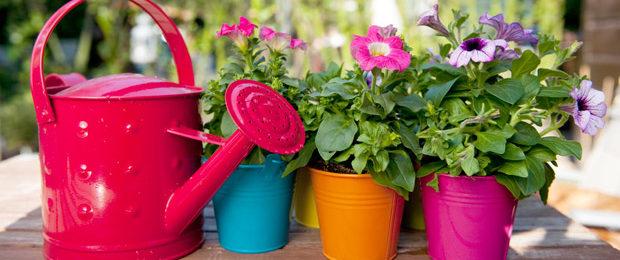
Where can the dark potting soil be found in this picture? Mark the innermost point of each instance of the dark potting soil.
(331, 167)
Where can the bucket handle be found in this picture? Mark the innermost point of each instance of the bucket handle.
(43, 107)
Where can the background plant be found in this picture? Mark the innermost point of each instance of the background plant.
(93, 39)
(499, 114)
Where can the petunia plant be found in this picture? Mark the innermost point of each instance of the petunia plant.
(261, 58)
(491, 107)
(352, 117)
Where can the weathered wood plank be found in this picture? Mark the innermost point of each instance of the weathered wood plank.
(539, 231)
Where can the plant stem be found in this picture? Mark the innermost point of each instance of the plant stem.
(555, 125)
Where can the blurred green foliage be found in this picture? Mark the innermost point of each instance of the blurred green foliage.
(94, 38)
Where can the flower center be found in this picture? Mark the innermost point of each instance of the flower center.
(473, 44)
(581, 104)
(379, 49)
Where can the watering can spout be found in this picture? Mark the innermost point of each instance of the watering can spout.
(264, 118)
(187, 201)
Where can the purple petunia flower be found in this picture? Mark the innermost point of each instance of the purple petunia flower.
(589, 108)
(509, 32)
(430, 18)
(506, 54)
(477, 50)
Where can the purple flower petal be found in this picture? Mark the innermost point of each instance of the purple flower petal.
(589, 108)
(430, 18)
(509, 32)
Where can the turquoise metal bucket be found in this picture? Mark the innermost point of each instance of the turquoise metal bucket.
(252, 208)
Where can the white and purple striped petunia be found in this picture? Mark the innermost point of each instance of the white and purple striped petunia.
(477, 50)
(589, 108)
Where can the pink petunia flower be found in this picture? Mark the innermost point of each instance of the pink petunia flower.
(298, 44)
(376, 51)
(477, 50)
(276, 41)
(589, 108)
(238, 33)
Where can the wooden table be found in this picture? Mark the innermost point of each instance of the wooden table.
(540, 231)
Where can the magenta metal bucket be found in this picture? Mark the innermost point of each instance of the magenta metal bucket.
(469, 218)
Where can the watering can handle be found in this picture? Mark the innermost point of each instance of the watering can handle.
(43, 106)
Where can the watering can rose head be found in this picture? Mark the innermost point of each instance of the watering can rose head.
(491, 106)
(258, 56)
(352, 117)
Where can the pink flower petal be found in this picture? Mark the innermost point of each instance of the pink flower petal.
(394, 42)
(298, 44)
(225, 30)
(246, 27)
(266, 33)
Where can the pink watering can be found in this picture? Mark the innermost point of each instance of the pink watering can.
(119, 155)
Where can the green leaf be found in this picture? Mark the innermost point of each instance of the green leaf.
(513, 153)
(428, 168)
(434, 183)
(507, 90)
(437, 92)
(227, 126)
(531, 86)
(469, 164)
(340, 87)
(490, 142)
(361, 159)
(554, 92)
(562, 147)
(535, 179)
(525, 64)
(546, 73)
(400, 170)
(444, 67)
(541, 153)
(409, 139)
(549, 177)
(302, 159)
(380, 161)
(517, 168)
(386, 102)
(335, 133)
(412, 102)
(525, 135)
(457, 109)
(510, 182)
(368, 105)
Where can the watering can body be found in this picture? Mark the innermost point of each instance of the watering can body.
(120, 159)
(109, 168)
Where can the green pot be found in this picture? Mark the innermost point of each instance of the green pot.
(413, 215)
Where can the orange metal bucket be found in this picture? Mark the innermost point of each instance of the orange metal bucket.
(359, 219)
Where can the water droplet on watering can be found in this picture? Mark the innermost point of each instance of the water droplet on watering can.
(132, 210)
(84, 173)
(50, 205)
(85, 211)
(130, 128)
(82, 132)
(131, 170)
